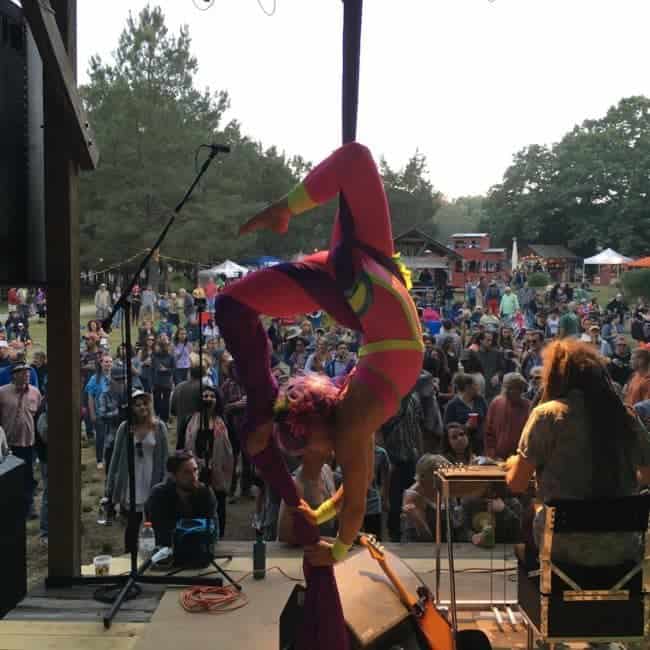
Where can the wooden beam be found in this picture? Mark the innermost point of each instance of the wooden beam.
(62, 231)
(59, 68)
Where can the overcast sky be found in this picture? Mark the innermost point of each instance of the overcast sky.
(467, 82)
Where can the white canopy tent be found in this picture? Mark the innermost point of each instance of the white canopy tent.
(230, 269)
(607, 257)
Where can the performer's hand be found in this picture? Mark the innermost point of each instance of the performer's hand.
(306, 511)
(320, 554)
(275, 217)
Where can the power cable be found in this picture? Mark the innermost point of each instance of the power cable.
(207, 4)
(267, 12)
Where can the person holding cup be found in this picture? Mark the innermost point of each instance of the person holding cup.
(468, 408)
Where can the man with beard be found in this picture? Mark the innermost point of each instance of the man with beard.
(181, 496)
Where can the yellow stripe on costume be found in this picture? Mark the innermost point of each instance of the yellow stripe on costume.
(299, 200)
(391, 344)
(362, 295)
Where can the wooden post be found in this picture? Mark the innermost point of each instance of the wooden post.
(62, 223)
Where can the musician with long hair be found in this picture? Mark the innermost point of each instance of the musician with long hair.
(583, 443)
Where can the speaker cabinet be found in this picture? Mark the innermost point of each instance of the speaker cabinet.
(374, 616)
(22, 170)
(13, 543)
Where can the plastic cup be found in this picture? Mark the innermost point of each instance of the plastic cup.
(472, 420)
(102, 565)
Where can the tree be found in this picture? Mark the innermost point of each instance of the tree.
(148, 117)
(636, 284)
(463, 214)
(150, 120)
(590, 189)
(539, 280)
(412, 198)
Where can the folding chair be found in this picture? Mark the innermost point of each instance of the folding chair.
(563, 602)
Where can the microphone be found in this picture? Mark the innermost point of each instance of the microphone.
(217, 148)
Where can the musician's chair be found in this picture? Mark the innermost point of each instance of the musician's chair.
(563, 602)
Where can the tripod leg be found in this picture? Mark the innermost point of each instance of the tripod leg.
(236, 585)
(108, 619)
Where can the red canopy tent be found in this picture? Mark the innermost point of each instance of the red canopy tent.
(643, 263)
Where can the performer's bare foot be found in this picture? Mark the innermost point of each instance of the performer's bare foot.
(275, 217)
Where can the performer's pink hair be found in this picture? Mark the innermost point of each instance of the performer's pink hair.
(304, 399)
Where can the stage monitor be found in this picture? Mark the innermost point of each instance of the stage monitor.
(22, 187)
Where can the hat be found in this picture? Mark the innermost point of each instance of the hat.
(139, 393)
(20, 366)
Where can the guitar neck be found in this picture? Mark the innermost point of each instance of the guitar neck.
(408, 599)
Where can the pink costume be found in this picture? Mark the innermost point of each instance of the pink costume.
(359, 284)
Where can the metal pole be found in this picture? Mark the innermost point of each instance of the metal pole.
(452, 575)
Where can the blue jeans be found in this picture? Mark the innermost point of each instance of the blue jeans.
(26, 454)
(117, 319)
(44, 508)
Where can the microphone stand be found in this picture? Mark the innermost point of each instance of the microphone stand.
(128, 584)
(205, 436)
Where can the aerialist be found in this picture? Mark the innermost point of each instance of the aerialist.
(357, 281)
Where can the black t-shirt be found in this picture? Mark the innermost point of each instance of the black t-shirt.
(165, 508)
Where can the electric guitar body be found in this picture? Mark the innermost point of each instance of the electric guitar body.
(433, 626)
(434, 630)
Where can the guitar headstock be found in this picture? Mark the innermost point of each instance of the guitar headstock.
(373, 545)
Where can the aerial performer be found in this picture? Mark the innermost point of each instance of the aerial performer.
(361, 283)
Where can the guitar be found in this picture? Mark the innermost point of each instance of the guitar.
(434, 627)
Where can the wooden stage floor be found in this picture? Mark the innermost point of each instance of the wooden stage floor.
(70, 619)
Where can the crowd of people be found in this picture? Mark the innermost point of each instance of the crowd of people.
(482, 375)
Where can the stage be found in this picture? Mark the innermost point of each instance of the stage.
(69, 618)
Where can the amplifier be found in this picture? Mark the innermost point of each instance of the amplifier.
(374, 616)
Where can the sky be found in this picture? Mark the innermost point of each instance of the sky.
(466, 82)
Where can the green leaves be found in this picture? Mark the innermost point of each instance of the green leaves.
(636, 284)
(150, 118)
(591, 189)
(413, 200)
